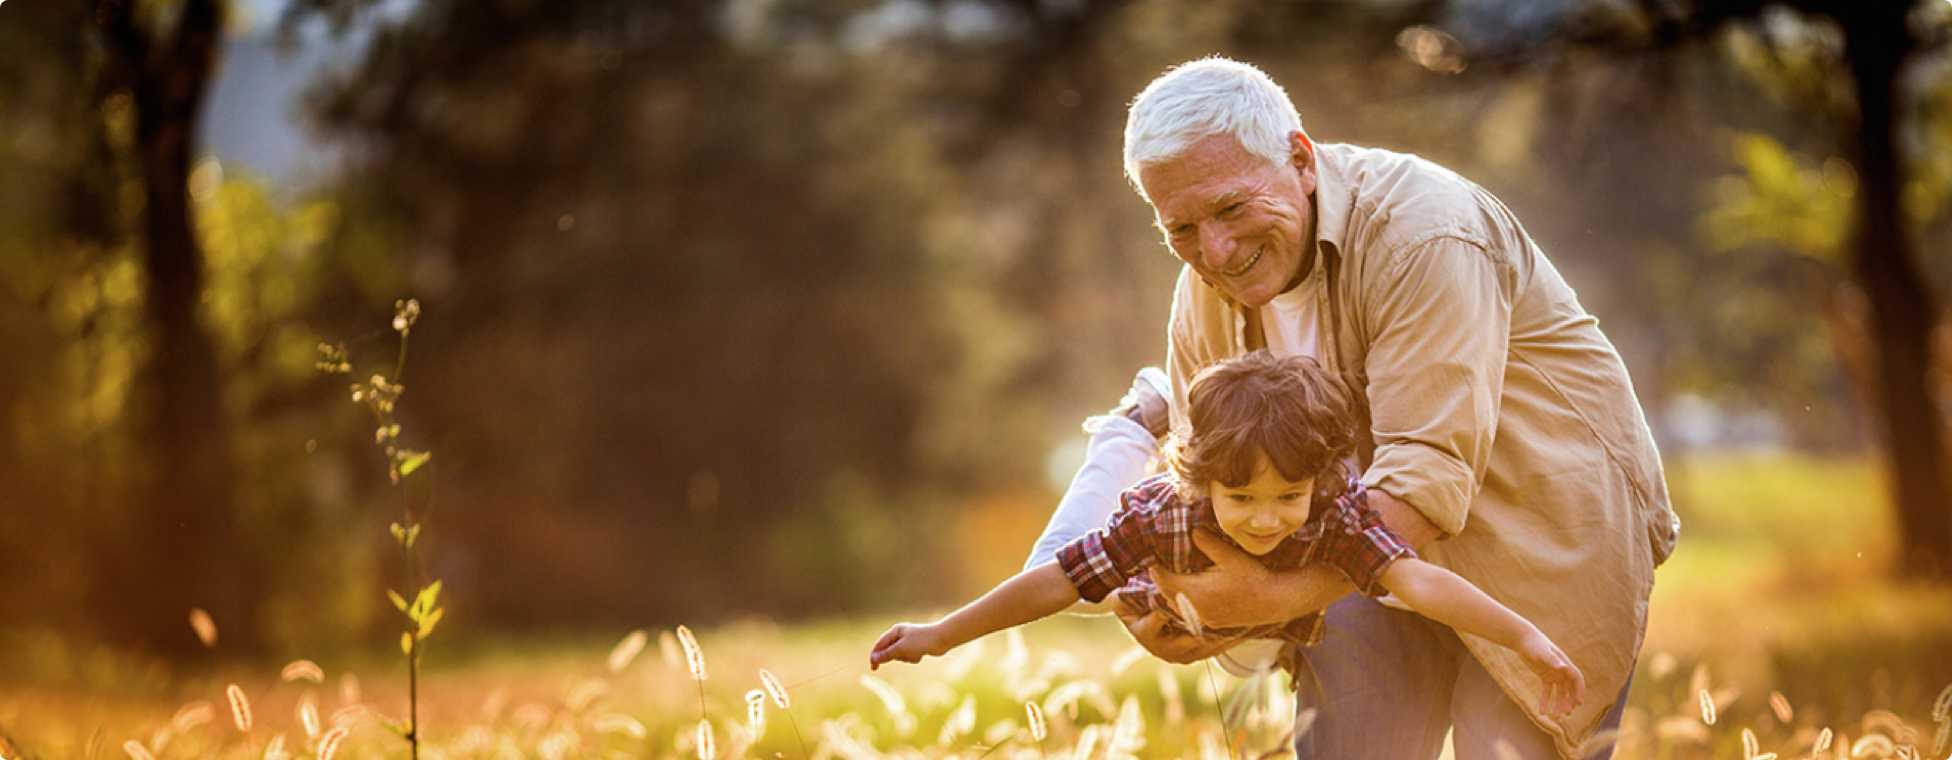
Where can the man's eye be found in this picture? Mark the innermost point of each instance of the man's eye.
(1232, 210)
(1181, 231)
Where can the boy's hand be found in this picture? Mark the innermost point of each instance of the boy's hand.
(1565, 686)
(906, 642)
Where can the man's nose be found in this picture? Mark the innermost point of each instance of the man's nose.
(1216, 245)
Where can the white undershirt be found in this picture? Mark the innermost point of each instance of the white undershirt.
(1292, 323)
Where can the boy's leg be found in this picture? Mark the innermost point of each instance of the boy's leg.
(1483, 715)
(1381, 684)
(1118, 455)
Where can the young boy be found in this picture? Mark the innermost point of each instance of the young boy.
(1262, 470)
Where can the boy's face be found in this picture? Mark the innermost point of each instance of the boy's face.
(1265, 510)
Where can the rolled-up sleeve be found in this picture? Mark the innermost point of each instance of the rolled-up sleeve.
(1439, 318)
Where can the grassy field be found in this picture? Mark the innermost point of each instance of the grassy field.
(1774, 605)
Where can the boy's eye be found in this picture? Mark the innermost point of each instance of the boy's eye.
(1293, 496)
(1240, 497)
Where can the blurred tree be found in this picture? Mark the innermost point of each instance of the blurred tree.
(1880, 43)
(1877, 47)
(691, 263)
(184, 549)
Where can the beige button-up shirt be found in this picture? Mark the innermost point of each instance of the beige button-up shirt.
(1496, 408)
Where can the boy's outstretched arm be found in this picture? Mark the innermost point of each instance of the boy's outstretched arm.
(1033, 594)
(1441, 595)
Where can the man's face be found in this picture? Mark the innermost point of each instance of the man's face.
(1260, 513)
(1244, 224)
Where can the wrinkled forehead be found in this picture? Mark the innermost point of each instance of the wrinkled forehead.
(1211, 173)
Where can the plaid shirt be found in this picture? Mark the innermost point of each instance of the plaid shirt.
(1154, 525)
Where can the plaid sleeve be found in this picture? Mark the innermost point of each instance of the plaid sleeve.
(1102, 560)
(1358, 544)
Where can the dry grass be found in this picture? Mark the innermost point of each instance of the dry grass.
(1768, 624)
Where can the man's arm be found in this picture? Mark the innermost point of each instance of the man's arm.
(1033, 594)
(1238, 591)
(1440, 321)
(1415, 529)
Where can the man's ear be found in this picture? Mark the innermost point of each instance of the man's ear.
(1301, 152)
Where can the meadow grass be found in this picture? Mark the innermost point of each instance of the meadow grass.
(1775, 607)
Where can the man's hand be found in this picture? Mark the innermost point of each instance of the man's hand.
(1168, 642)
(1238, 591)
(906, 642)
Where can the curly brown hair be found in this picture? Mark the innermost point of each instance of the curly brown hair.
(1292, 410)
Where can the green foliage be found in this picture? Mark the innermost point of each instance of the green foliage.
(1778, 199)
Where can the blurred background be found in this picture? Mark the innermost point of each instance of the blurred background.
(789, 310)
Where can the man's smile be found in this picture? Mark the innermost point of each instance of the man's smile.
(1246, 265)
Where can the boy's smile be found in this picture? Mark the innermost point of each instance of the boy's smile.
(1262, 512)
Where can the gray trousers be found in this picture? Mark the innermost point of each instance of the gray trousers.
(1388, 684)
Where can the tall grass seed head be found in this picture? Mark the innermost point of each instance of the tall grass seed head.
(627, 650)
(276, 749)
(618, 723)
(1877, 744)
(756, 712)
(774, 689)
(204, 626)
(1189, 614)
(707, 749)
(329, 745)
(308, 717)
(1779, 705)
(191, 715)
(892, 700)
(302, 670)
(240, 707)
(694, 656)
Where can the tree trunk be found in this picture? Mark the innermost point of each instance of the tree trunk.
(1902, 314)
(183, 548)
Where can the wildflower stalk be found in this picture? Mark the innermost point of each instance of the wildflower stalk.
(380, 396)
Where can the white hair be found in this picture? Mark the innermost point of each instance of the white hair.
(1209, 96)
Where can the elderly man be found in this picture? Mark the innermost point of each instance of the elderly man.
(1506, 442)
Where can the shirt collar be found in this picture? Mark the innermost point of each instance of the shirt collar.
(1333, 201)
